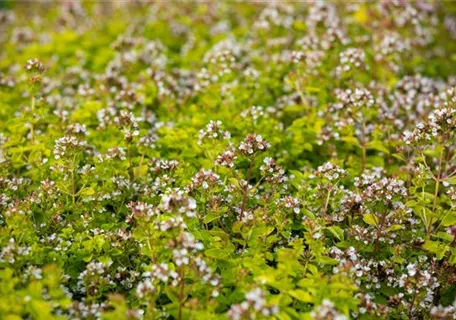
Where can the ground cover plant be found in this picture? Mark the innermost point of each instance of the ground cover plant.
(228, 160)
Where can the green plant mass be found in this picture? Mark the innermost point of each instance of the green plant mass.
(228, 160)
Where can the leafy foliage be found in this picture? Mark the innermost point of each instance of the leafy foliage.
(228, 160)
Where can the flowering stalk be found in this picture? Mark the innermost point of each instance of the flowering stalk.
(181, 292)
(32, 130)
(246, 188)
(131, 173)
(325, 208)
(363, 146)
(35, 69)
(73, 180)
(438, 179)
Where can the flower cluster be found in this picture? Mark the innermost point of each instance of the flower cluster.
(330, 171)
(227, 158)
(205, 179)
(353, 99)
(68, 146)
(253, 143)
(351, 58)
(213, 131)
(441, 125)
(327, 311)
(272, 172)
(255, 303)
(129, 125)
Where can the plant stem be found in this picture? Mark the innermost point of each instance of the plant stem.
(325, 209)
(246, 188)
(439, 176)
(73, 181)
(152, 309)
(32, 129)
(73, 195)
(379, 231)
(363, 146)
(305, 266)
(299, 87)
(181, 293)
(413, 302)
(130, 167)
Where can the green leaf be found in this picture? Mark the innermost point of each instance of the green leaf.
(327, 260)
(399, 157)
(452, 260)
(377, 145)
(88, 258)
(352, 141)
(394, 227)
(436, 247)
(451, 180)
(370, 219)
(301, 295)
(217, 253)
(337, 232)
(211, 216)
(308, 213)
(444, 236)
(449, 219)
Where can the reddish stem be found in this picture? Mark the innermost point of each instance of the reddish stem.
(181, 293)
(246, 188)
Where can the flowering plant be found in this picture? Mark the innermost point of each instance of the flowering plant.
(228, 160)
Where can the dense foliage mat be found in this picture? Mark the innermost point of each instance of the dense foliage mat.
(228, 160)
